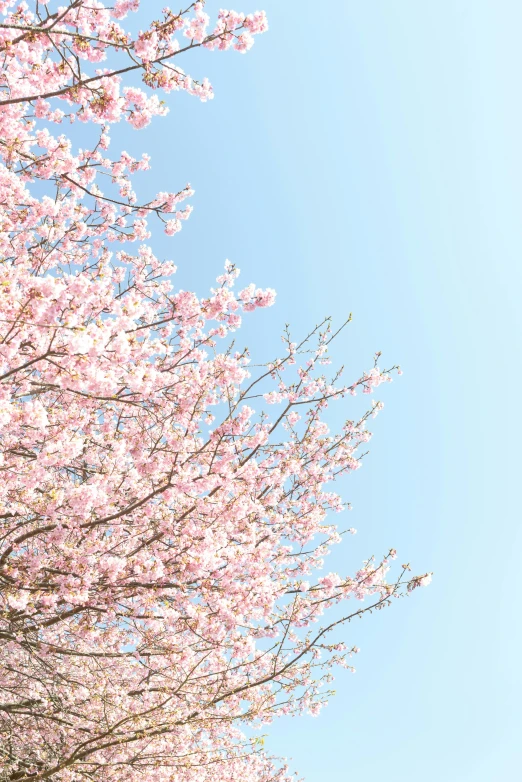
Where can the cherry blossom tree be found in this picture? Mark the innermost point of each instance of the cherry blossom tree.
(161, 543)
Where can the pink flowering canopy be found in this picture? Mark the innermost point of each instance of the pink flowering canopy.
(160, 540)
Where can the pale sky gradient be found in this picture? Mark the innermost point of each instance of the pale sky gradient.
(366, 157)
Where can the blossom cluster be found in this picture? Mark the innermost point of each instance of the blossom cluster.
(160, 540)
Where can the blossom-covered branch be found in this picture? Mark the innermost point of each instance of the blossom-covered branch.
(161, 542)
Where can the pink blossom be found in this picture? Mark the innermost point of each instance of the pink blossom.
(141, 552)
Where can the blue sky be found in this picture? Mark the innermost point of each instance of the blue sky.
(365, 157)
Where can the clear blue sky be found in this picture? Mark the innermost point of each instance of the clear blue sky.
(367, 157)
